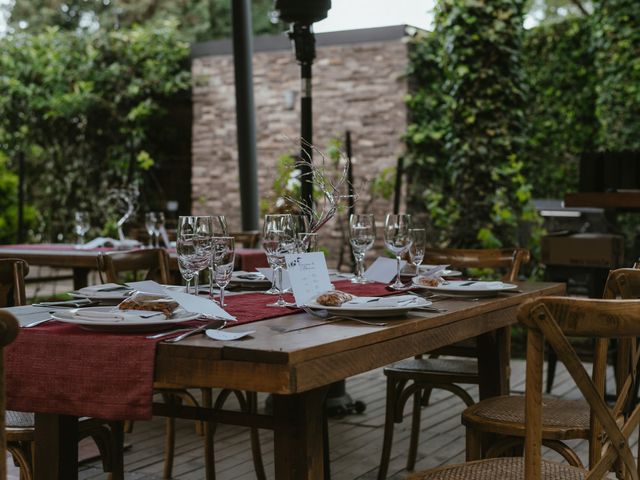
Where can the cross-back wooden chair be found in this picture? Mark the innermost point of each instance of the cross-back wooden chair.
(554, 319)
(153, 264)
(19, 426)
(146, 264)
(417, 377)
(500, 420)
(8, 332)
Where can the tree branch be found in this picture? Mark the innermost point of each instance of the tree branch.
(580, 7)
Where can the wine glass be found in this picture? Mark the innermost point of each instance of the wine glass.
(81, 226)
(223, 256)
(278, 239)
(397, 239)
(158, 228)
(193, 246)
(362, 234)
(150, 226)
(307, 242)
(218, 229)
(416, 251)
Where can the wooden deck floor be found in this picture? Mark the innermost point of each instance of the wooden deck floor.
(356, 440)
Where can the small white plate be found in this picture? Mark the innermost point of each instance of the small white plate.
(249, 280)
(378, 308)
(468, 288)
(130, 323)
(108, 291)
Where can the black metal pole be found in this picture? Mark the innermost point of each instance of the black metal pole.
(21, 197)
(245, 113)
(350, 199)
(398, 186)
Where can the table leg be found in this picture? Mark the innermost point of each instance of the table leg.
(55, 454)
(298, 435)
(80, 277)
(494, 352)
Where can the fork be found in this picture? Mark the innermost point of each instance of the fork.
(325, 315)
(193, 331)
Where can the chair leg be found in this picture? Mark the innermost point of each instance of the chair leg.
(21, 453)
(388, 429)
(415, 430)
(552, 360)
(209, 453)
(169, 446)
(256, 451)
(473, 447)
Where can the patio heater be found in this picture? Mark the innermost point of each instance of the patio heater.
(301, 14)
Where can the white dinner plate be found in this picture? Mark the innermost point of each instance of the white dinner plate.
(468, 288)
(383, 307)
(108, 291)
(97, 318)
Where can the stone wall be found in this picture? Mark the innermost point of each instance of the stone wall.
(358, 87)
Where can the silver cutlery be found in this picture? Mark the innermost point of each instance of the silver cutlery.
(193, 331)
(164, 334)
(325, 315)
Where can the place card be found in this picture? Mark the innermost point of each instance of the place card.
(195, 304)
(268, 273)
(383, 270)
(308, 274)
(226, 336)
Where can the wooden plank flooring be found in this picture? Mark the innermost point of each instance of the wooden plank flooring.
(356, 440)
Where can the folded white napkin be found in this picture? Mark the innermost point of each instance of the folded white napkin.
(434, 271)
(109, 242)
(115, 314)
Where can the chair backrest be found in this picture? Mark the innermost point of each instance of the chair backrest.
(146, 264)
(247, 239)
(554, 319)
(9, 329)
(12, 273)
(509, 259)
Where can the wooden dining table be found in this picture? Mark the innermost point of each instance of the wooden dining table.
(296, 357)
(83, 261)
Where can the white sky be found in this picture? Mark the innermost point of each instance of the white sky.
(355, 14)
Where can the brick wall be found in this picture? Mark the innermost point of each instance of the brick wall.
(358, 87)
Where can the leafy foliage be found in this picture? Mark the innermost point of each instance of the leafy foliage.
(81, 108)
(196, 19)
(464, 140)
(560, 107)
(616, 40)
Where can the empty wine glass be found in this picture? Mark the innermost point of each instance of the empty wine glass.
(416, 251)
(150, 226)
(218, 229)
(223, 256)
(158, 228)
(81, 226)
(193, 246)
(307, 242)
(397, 239)
(278, 239)
(362, 234)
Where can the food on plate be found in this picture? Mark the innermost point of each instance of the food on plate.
(430, 281)
(149, 302)
(334, 299)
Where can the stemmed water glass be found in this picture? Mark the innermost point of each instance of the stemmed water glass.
(150, 226)
(362, 234)
(81, 226)
(416, 251)
(278, 239)
(193, 245)
(223, 256)
(158, 228)
(397, 239)
(218, 229)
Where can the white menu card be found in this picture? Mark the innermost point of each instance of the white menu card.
(308, 275)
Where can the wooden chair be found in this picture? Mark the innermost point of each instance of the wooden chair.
(19, 426)
(8, 332)
(417, 377)
(503, 417)
(153, 264)
(553, 319)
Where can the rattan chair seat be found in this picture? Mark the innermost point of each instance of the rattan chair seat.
(561, 418)
(505, 468)
(15, 419)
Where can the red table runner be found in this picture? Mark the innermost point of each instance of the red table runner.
(61, 368)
